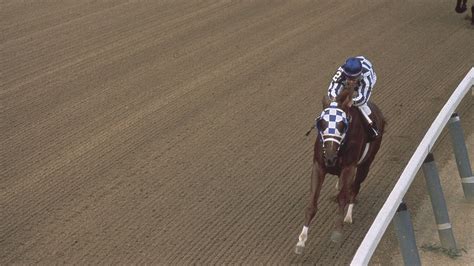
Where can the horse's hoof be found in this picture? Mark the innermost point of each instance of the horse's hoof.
(299, 250)
(336, 236)
(460, 9)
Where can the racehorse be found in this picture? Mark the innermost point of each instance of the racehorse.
(342, 148)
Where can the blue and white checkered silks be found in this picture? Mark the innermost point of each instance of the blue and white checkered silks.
(334, 115)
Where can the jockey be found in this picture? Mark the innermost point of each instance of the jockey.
(357, 73)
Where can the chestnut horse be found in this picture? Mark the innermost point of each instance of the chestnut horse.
(342, 148)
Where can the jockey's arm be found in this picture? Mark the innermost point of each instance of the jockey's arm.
(334, 89)
(362, 92)
(336, 85)
(358, 97)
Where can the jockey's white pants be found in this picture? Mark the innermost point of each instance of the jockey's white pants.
(365, 110)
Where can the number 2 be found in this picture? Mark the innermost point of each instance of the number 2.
(337, 76)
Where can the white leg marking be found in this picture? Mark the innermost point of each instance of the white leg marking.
(303, 237)
(348, 218)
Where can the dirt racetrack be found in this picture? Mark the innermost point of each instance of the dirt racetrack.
(173, 131)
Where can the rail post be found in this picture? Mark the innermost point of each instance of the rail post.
(406, 235)
(438, 202)
(462, 157)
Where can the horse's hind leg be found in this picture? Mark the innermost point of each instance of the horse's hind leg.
(362, 172)
(363, 168)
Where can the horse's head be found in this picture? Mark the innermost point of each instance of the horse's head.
(332, 126)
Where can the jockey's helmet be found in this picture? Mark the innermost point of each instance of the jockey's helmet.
(352, 68)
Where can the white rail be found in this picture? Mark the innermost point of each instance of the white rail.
(385, 215)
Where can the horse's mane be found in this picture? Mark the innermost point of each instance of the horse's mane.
(344, 99)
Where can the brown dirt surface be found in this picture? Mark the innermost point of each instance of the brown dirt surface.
(172, 132)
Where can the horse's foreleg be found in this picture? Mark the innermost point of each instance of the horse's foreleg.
(346, 178)
(317, 179)
(302, 240)
(355, 186)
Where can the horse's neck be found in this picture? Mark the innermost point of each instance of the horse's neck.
(354, 113)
